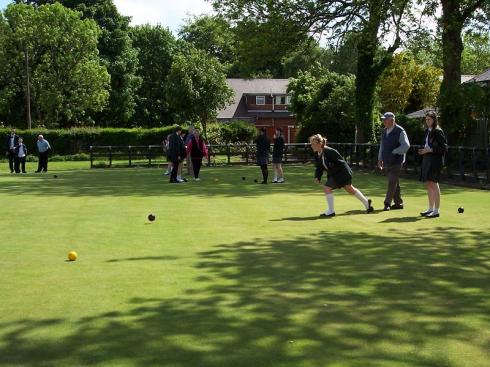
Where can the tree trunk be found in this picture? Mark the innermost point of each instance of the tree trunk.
(452, 48)
(365, 92)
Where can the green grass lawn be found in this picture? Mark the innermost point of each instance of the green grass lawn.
(237, 274)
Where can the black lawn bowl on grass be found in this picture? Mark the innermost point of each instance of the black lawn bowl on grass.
(460, 210)
(151, 217)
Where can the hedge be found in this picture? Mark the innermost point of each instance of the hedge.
(78, 140)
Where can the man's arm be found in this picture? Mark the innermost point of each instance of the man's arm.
(404, 144)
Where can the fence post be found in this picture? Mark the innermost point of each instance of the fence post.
(475, 170)
(91, 157)
(247, 152)
(110, 156)
(129, 155)
(461, 163)
(209, 155)
(228, 152)
(149, 155)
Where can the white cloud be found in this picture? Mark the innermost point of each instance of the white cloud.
(168, 13)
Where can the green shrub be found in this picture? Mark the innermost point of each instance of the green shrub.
(78, 140)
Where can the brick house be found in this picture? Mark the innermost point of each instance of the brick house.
(262, 102)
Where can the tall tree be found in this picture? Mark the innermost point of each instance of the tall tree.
(455, 15)
(291, 20)
(215, 36)
(117, 53)
(324, 103)
(156, 50)
(68, 81)
(198, 84)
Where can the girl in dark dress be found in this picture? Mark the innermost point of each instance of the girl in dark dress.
(197, 149)
(435, 146)
(339, 174)
(263, 150)
(277, 154)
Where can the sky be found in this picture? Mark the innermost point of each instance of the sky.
(168, 13)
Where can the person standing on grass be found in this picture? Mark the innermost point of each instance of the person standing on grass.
(176, 152)
(339, 174)
(20, 156)
(187, 139)
(196, 150)
(277, 154)
(394, 145)
(263, 150)
(435, 146)
(43, 148)
(11, 143)
(169, 162)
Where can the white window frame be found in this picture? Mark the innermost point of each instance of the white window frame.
(257, 100)
(279, 100)
(288, 100)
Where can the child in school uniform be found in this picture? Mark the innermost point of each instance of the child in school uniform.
(20, 151)
(339, 174)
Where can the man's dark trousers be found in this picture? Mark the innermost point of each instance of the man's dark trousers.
(43, 162)
(393, 192)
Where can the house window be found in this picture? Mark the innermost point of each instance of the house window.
(288, 100)
(281, 100)
(259, 100)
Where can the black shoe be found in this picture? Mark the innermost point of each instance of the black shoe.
(327, 215)
(397, 207)
(264, 182)
(37, 171)
(370, 209)
(432, 215)
(424, 214)
(387, 208)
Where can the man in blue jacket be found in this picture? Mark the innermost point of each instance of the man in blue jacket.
(394, 145)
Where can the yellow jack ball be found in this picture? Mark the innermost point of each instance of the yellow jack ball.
(72, 256)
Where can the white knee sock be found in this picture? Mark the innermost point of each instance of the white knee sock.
(330, 209)
(361, 198)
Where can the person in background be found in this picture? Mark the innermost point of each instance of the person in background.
(435, 146)
(339, 174)
(180, 177)
(187, 139)
(20, 156)
(196, 150)
(277, 155)
(11, 142)
(263, 150)
(43, 148)
(169, 162)
(394, 145)
(176, 152)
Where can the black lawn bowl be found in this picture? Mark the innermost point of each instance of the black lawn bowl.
(151, 217)
(243, 178)
(256, 180)
(460, 210)
(55, 176)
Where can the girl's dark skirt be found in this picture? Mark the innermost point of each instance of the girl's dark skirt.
(338, 181)
(262, 160)
(431, 170)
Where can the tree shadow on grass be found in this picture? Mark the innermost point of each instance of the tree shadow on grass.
(351, 299)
